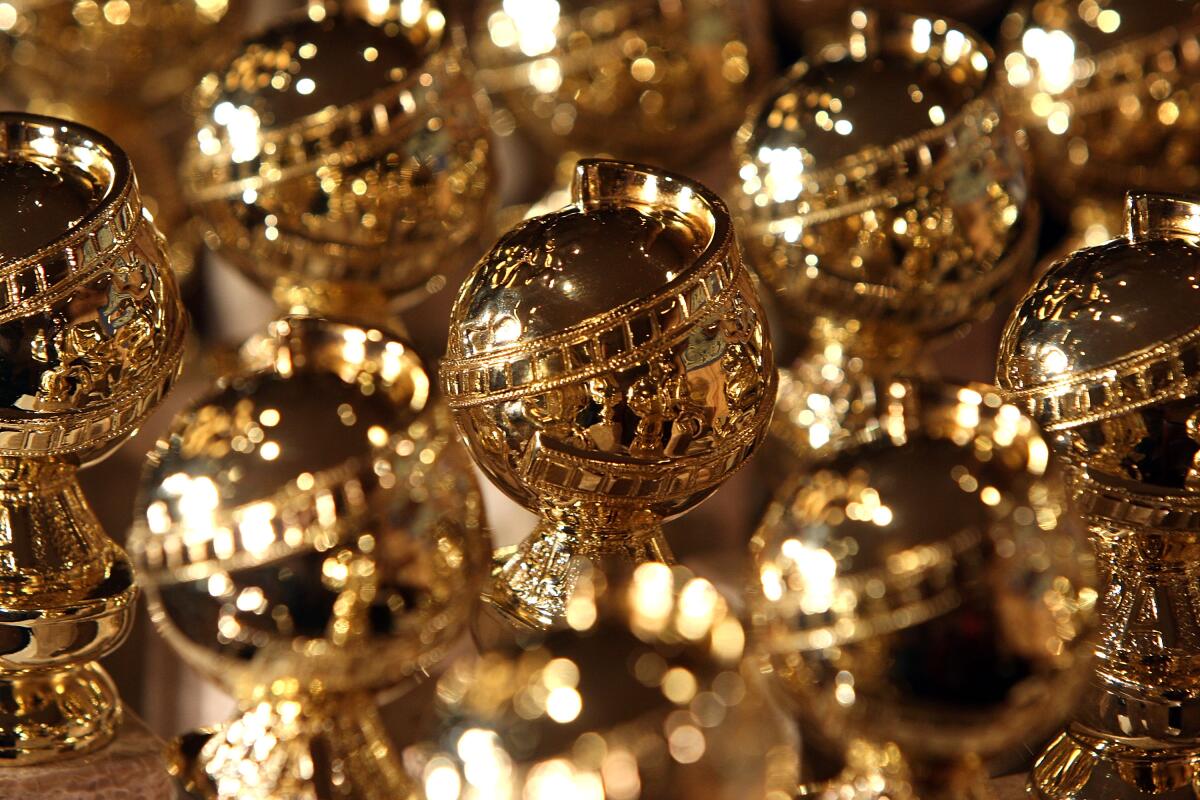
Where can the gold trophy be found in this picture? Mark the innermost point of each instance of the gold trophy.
(123, 67)
(883, 198)
(1110, 95)
(93, 338)
(644, 693)
(308, 534)
(609, 366)
(655, 82)
(1102, 351)
(343, 164)
(925, 593)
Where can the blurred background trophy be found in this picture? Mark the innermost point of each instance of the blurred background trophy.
(305, 579)
(924, 594)
(883, 197)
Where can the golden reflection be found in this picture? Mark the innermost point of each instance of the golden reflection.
(92, 339)
(343, 163)
(305, 579)
(1102, 351)
(612, 710)
(608, 404)
(884, 199)
(931, 594)
(1106, 89)
(656, 83)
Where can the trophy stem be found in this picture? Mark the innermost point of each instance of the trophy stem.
(1137, 734)
(333, 746)
(316, 298)
(535, 584)
(66, 599)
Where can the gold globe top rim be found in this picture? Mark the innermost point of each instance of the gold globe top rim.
(1152, 373)
(597, 183)
(67, 142)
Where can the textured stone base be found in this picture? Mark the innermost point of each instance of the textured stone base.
(131, 768)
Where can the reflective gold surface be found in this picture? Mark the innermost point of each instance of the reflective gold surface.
(138, 54)
(92, 331)
(343, 164)
(644, 693)
(123, 67)
(653, 82)
(1103, 351)
(883, 198)
(1107, 91)
(308, 534)
(925, 589)
(609, 366)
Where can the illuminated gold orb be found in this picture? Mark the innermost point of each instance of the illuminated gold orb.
(343, 165)
(137, 54)
(1108, 93)
(653, 82)
(927, 588)
(644, 694)
(883, 197)
(609, 366)
(308, 534)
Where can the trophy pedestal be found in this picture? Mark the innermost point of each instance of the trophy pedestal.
(131, 767)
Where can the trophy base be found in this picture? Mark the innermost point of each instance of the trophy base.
(1079, 766)
(533, 586)
(50, 713)
(291, 748)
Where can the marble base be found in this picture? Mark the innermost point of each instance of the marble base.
(132, 767)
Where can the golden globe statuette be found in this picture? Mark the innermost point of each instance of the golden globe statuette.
(1108, 93)
(643, 693)
(653, 82)
(304, 578)
(93, 335)
(883, 198)
(342, 164)
(1102, 351)
(926, 590)
(609, 366)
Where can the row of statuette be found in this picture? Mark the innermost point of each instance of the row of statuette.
(944, 571)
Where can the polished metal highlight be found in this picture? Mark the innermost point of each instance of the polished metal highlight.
(92, 330)
(342, 162)
(645, 692)
(1110, 95)
(1105, 352)
(883, 197)
(609, 366)
(308, 534)
(926, 594)
(660, 83)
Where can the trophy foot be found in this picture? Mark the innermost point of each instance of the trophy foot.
(1079, 766)
(46, 714)
(292, 748)
(534, 585)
